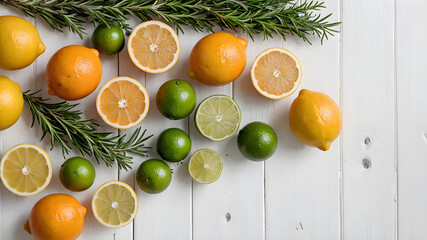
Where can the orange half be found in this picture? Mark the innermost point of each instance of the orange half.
(122, 102)
(154, 47)
(276, 73)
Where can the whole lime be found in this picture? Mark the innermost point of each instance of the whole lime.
(153, 176)
(257, 141)
(108, 39)
(173, 145)
(176, 99)
(77, 174)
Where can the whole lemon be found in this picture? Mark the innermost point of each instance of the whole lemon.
(315, 119)
(11, 102)
(218, 59)
(73, 72)
(56, 216)
(20, 43)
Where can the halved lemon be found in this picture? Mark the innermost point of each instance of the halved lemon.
(205, 166)
(276, 73)
(114, 204)
(154, 47)
(218, 117)
(26, 170)
(122, 102)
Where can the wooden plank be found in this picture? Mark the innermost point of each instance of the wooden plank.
(33, 78)
(54, 41)
(411, 116)
(13, 215)
(302, 184)
(232, 207)
(166, 215)
(369, 168)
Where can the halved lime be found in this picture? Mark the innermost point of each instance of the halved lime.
(205, 166)
(218, 117)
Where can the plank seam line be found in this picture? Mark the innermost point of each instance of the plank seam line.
(396, 118)
(192, 188)
(340, 175)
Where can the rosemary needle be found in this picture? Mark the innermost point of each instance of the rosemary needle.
(65, 124)
(284, 17)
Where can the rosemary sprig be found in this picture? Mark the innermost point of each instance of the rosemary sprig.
(64, 123)
(284, 17)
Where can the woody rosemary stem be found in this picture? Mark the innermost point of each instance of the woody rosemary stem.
(64, 124)
(283, 17)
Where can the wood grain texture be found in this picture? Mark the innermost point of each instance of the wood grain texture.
(16, 209)
(374, 69)
(302, 184)
(238, 193)
(12, 227)
(412, 118)
(369, 167)
(166, 215)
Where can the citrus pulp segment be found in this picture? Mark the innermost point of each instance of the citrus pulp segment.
(276, 73)
(218, 117)
(122, 102)
(114, 204)
(205, 166)
(154, 47)
(26, 170)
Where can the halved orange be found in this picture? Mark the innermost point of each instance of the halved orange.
(276, 73)
(154, 47)
(122, 102)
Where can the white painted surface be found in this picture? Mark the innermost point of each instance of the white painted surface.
(374, 70)
(368, 100)
(412, 119)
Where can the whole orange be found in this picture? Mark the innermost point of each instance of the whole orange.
(73, 72)
(56, 217)
(218, 59)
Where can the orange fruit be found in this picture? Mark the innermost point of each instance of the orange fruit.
(218, 59)
(56, 216)
(276, 73)
(73, 72)
(122, 102)
(154, 47)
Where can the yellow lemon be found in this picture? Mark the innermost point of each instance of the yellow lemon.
(20, 43)
(11, 102)
(315, 119)
(218, 59)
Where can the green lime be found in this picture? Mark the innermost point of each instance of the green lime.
(205, 166)
(77, 174)
(257, 141)
(176, 99)
(218, 117)
(153, 176)
(173, 145)
(108, 39)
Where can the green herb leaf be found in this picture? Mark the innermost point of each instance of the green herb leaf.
(66, 125)
(284, 17)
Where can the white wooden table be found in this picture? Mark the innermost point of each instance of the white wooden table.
(371, 184)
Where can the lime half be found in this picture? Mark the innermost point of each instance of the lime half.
(218, 117)
(205, 166)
